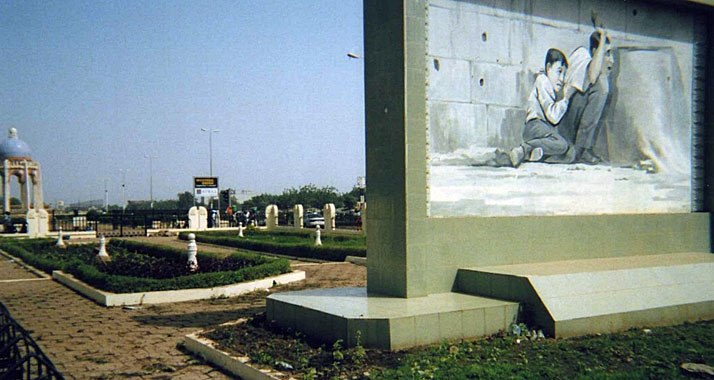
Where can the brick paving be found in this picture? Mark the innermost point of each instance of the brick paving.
(88, 341)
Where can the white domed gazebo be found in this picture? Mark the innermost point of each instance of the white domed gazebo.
(16, 158)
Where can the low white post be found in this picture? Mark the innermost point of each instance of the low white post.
(240, 229)
(318, 242)
(103, 255)
(60, 242)
(192, 251)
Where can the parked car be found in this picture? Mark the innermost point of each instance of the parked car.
(312, 220)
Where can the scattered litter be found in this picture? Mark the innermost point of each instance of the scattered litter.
(518, 341)
(131, 307)
(12, 260)
(698, 368)
(515, 329)
(647, 331)
(284, 365)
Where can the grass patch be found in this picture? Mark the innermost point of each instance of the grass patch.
(141, 267)
(335, 247)
(633, 354)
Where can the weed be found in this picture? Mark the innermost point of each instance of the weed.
(360, 354)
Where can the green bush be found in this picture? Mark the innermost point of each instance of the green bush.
(78, 260)
(334, 248)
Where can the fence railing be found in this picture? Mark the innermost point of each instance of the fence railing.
(138, 222)
(20, 356)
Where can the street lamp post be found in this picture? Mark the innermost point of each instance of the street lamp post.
(210, 147)
(151, 158)
(123, 186)
(106, 196)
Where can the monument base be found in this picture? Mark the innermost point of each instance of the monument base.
(388, 322)
(578, 297)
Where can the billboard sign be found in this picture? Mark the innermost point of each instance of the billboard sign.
(205, 187)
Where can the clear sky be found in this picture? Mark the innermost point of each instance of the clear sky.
(94, 87)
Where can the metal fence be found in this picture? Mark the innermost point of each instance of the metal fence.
(121, 223)
(20, 356)
(138, 222)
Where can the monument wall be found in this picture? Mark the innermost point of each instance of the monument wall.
(446, 77)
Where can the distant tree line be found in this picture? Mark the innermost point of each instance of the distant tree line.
(310, 196)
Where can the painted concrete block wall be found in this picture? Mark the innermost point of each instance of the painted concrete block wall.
(492, 51)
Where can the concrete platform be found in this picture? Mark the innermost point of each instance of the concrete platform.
(578, 297)
(389, 322)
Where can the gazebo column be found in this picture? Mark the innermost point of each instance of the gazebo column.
(5, 187)
(25, 190)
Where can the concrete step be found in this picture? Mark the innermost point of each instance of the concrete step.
(577, 297)
(389, 322)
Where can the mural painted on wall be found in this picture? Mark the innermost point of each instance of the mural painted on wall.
(558, 108)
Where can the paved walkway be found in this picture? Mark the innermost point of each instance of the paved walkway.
(88, 341)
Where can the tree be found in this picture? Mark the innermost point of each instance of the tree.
(350, 199)
(310, 196)
(185, 200)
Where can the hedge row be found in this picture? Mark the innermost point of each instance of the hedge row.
(307, 250)
(204, 258)
(31, 252)
(126, 284)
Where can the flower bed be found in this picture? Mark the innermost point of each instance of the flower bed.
(140, 267)
(335, 247)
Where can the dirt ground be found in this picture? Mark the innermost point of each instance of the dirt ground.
(88, 341)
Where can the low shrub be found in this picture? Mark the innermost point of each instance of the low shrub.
(139, 267)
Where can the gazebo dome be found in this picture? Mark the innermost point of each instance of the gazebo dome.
(14, 148)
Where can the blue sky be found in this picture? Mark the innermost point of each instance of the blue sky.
(95, 86)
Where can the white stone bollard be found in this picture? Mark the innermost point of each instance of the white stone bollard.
(192, 251)
(44, 222)
(202, 218)
(329, 213)
(33, 227)
(271, 217)
(240, 229)
(297, 216)
(318, 242)
(193, 218)
(363, 216)
(60, 242)
(103, 255)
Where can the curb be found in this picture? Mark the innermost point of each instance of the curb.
(167, 296)
(235, 365)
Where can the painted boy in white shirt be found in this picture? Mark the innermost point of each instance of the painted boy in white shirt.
(547, 104)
